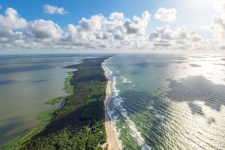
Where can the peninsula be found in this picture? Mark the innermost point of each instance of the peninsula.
(80, 122)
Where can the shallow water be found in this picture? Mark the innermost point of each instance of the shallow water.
(162, 101)
(26, 82)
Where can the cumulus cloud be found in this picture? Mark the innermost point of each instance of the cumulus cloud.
(11, 20)
(116, 26)
(97, 32)
(94, 24)
(219, 6)
(166, 15)
(43, 30)
(138, 25)
(217, 26)
(8, 23)
(53, 10)
(180, 38)
(116, 16)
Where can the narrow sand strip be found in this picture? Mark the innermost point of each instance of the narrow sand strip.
(111, 139)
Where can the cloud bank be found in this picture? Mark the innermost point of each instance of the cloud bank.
(115, 32)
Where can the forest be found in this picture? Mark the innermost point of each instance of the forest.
(79, 123)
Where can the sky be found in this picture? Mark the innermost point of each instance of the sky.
(101, 26)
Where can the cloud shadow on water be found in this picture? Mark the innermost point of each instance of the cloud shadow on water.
(197, 88)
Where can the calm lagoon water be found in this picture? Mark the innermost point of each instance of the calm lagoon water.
(162, 101)
(26, 82)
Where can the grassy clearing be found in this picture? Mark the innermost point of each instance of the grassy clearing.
(67, 86)
(54, 100)
(45, 116)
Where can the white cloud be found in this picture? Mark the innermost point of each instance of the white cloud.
(219, 6)
(166, 15)
(217, 26)
(0, 7)
(41, 30)
(11, 20)
(138, 25)
(71, 29)
(180, 38)
(100, 32)
(8, 23)
(94, 24)
(53, 10)
(116, 16)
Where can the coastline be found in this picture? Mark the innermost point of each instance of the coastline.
(111, 137)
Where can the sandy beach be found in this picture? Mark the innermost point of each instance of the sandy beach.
(111, 139)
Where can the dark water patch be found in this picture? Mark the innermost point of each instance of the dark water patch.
(153, 64)
(195, 65)
(7, 82)
(24, 69)
(142, 64)
(134, 72)
(195, 109)
(197, 88)
(211, 120)
(219, 64)
(39, 81)
(180, 62)
(10, 124)
(179, 58)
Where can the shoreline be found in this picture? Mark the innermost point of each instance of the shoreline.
(111, 137)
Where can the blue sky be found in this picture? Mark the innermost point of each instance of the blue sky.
(143, 25)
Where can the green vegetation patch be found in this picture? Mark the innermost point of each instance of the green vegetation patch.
(54, 100)
(68, 87)
(18, 143)
(45, 116)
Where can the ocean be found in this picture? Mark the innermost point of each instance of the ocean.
(26, 82)
(167, 101)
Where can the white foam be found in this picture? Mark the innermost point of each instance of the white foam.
(137, 135)
(117, 101)
(124, 80)
(110, 113)
(115, 91)
(151, 108)
(160, 117)
(156, 114)
(146, 147)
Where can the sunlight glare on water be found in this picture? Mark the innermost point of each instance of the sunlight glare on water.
(175, 102)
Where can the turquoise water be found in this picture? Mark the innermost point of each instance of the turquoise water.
(162, 101)
(26, 82)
